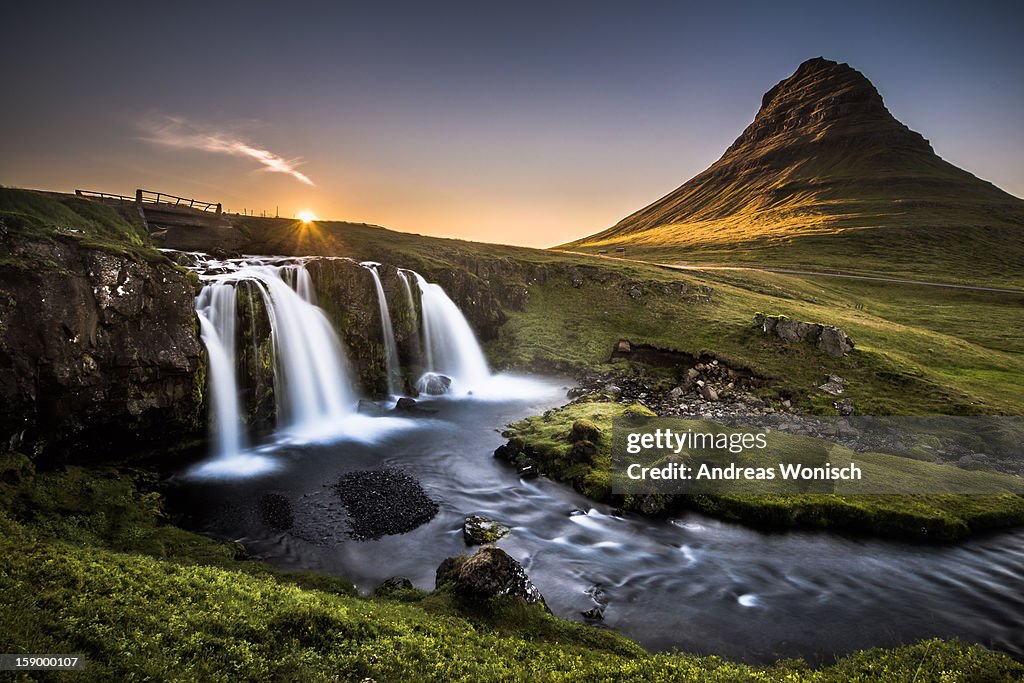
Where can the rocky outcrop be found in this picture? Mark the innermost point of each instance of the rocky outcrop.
(827, 338)
(477, 530)
(490, 573)
(99, 350)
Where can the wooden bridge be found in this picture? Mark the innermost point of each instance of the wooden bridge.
(173, 220)
(151, 197)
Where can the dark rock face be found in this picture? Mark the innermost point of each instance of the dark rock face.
(346, 292)
(490, 573)
(383, 502)
(97, 349)
(829, 339)
(820, 93)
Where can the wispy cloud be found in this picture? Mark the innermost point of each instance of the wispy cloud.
(173, 131)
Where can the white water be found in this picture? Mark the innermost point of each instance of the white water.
(215, 307)
(409, 301)
(449, 345)
(392, 367)
(314, 397)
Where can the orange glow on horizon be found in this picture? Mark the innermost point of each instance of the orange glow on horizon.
(307, 216)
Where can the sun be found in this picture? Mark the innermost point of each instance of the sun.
(307, 216)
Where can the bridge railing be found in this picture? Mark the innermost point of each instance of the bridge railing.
(151, 197)
(104, 195)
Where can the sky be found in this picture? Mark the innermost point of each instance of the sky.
(524, 122)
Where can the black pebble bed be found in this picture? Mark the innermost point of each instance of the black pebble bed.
(383, 502)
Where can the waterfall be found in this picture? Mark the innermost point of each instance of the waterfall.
(449, 345)
(215, 307)
(311, 376)
(392, 367)
(409, 301)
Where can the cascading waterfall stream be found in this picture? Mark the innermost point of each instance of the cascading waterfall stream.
(449, 346)
(312, 391)
(313, 394)
(392, 366)
(409, 301)
(311, 377)
(215, 307)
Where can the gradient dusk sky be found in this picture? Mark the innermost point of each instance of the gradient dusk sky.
(519, 122)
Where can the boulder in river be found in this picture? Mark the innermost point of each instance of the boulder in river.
(477, 530)
(405, 403)
(489, 573)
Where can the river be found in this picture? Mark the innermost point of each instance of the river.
(692, 582)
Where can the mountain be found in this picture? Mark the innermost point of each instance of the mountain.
(826, 177)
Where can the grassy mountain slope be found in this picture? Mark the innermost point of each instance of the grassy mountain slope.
(826, 178)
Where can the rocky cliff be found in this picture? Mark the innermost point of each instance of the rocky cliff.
(98, 349)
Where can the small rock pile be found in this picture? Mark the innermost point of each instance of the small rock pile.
(383, 502)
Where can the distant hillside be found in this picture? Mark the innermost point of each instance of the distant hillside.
(825, 177)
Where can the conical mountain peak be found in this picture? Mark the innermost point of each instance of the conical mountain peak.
(822, 158)
(824, 98)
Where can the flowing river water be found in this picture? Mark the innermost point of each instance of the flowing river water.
(691, 583)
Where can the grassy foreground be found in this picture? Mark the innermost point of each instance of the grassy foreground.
(549, 440)
(88, 566)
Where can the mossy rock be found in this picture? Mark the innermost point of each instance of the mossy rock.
(584, 430)
(638, 410)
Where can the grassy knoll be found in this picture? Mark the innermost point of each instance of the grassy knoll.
(918, 350)
(87, 565)
(549, 440)
(46, 215)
